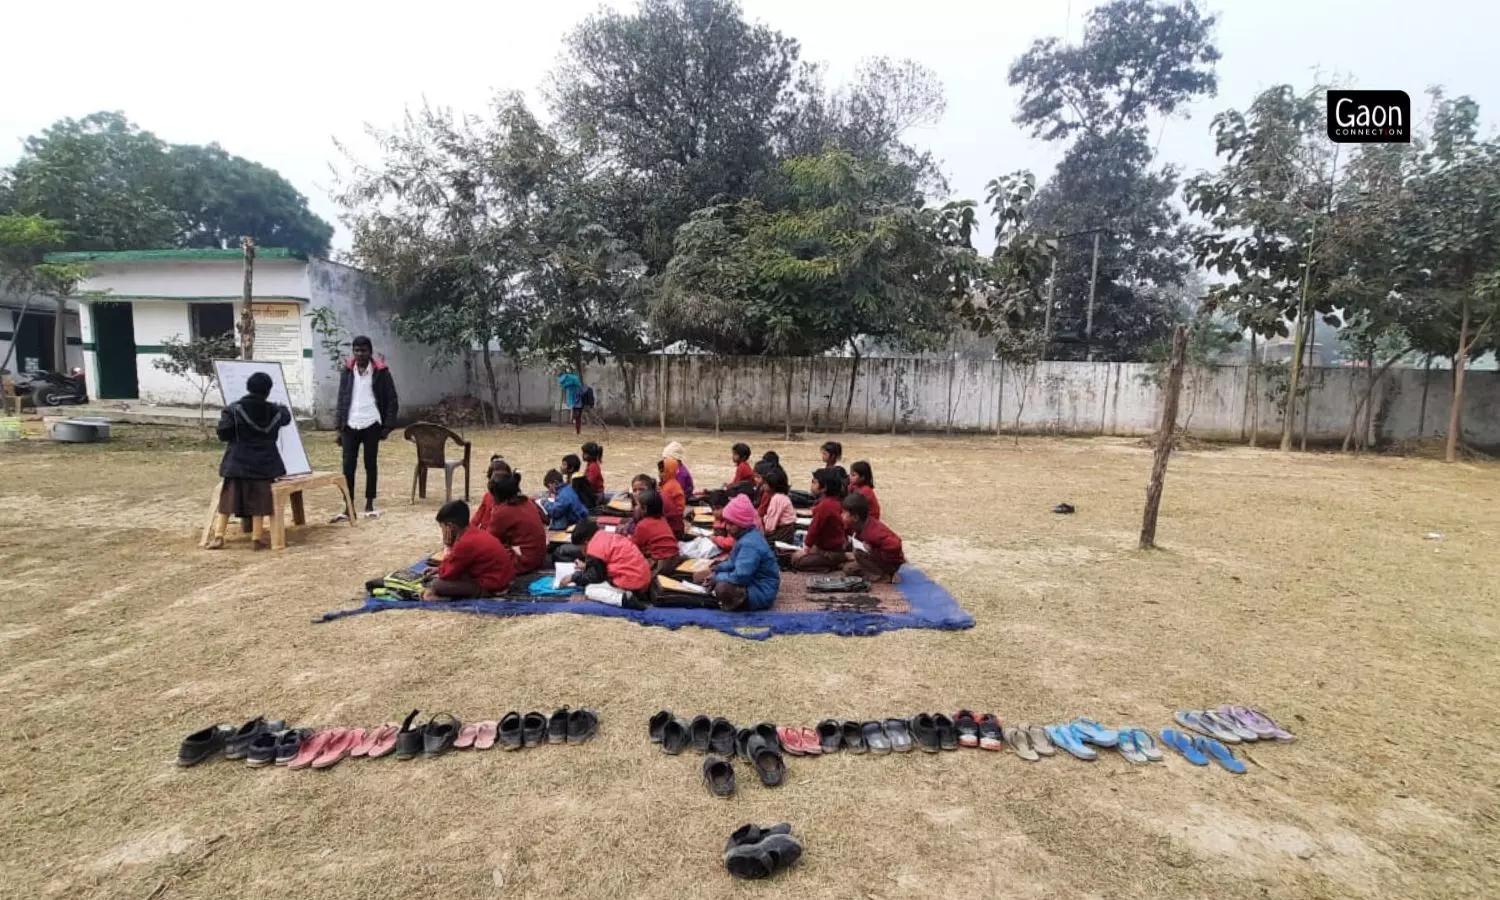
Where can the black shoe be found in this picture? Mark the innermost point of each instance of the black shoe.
(201, 745)
(409, 739)
(767, 732)
(718, 774)
(676, 737)
(657, 723)
(947, 732)
(583, 724)
(876, 738)
(766, 757)
(534, 730)
(439, 734)
(742, 742)
(262, 750)
(699, 729)
(557, 726)
(289, 744)
(853, 737)
(721, 737)
(924, 732)
(830, 735)
(753, 834)
(237, 745)
(771, 854)
(510, 732)
(900, 734)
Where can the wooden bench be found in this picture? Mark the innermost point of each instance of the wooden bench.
(286, 490)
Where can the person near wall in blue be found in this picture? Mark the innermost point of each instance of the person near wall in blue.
(577, 395)
(366, 415)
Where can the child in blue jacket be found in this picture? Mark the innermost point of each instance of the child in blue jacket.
(564, 509)
(750, 578)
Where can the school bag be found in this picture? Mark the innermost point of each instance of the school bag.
(586, 397)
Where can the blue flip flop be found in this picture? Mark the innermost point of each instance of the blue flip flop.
(1145, 743)
(1221, 754)
(1184, 745)
(1095, 734)
(1066, 737)
(1130, 749)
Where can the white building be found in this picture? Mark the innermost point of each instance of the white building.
(148, 297)
(34, 334)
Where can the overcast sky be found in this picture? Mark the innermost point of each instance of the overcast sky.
(278, 82)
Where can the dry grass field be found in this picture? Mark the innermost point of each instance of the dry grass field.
(1304, 584)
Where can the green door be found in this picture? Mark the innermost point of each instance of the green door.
(33, 342)
(114, 351)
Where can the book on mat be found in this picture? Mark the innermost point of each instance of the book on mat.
(783, 545)
(560, 571)
(695, 565)
(557, 537)
(857, 544)
(686, 587)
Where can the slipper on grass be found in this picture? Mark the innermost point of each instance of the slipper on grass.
(1145, 743)
(768, 733)
(698, 730)
(1040, 742)
(583, 724)
(748, 861)
(1128, 748)
(875, 738)
(337, 749)
(766, 758)
(313, 747)
(409, 739)
(290, 744)
(1220, 754)
(533, 730)
(718, 774)
(853, 737)
(657, 724)
(466, 736)
(991, 732)
(385, 741)
(439, 734)
(485, 734)
(811, 746)
(676, 737)
(1094, 733)
(742, 742)
(830, 735)
(510, 731)
(1195, 720)
(1232, 725)
(967, 727)
(900, 734)
(924, 732)
(1020, 742)
(557, 726)
(1183, 744)
(721, 737)
(947, 732)
(1065, 738)
(791, 740)
(1265, 721)
(753, 834)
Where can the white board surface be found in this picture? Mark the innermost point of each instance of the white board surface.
(234, 373)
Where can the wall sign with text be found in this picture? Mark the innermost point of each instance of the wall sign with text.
(1369, 117)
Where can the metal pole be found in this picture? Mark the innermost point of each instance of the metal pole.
(1088, 325)
(26, 306)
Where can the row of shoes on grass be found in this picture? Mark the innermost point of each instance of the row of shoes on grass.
(756, 851)
(263, 742)
(757, 745)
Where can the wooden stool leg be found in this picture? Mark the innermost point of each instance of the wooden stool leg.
(278, 523)
(348, 501)
(299, 515)
(213, 510)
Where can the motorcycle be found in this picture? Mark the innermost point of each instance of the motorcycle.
(54, 388)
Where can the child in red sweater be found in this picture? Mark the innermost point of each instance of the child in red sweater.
(517, 523)
(476, 565)
(862, 481)
(877, 549)
(612, 559)
(823, 545)
(743, 481)
(498, 467)
(653, 535)
(593, 470)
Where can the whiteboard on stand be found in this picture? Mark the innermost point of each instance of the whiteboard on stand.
(234, 373)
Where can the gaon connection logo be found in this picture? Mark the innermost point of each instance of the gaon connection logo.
(1369, 117)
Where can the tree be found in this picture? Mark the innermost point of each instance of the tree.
(680, 100)
(24, 242)
(1450, 241)
(192, 361)
(1138, 58)
(115, 186)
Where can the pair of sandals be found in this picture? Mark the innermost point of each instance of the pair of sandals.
(761, 752)
(515, 731)
(234, 743)
(1079, 737)
(754, 852)
(1199, 750)
(331, 746)
(1233, 724)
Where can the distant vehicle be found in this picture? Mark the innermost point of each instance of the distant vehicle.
(53, 388)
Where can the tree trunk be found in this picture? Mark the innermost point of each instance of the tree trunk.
(60, 337)
(1254, 392)
(895, 393)
(1307, 367)
(1455, 415)
(807, 409)
(849, 400)
(1290, 419)
(952, 374)
(662, 371)
(247, 312)
(789, 374)
(1366, 434)
(629, 382)
(520, 410)
(1164, 439)
(1426, 381)
(489, 373)
(718, 395)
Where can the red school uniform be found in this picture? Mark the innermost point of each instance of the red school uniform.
(594, 474)
(883, 544)
(481, 518)
(869, 493)
(477, 556)
(654, 537)
(519, 528)
(624, 565)
(743, 474)
(827, 529)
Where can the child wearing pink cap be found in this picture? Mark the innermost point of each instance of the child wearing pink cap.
(750, 578)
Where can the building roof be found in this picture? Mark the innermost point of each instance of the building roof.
(171, 255)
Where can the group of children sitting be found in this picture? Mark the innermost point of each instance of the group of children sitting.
(754, 512)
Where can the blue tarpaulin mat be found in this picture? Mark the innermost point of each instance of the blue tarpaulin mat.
(927, 605)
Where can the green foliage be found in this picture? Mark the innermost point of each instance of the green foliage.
(192, 361)
(1138, 58)
(115, 186)
(332, 335)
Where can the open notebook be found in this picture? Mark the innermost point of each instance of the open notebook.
(685, 587)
